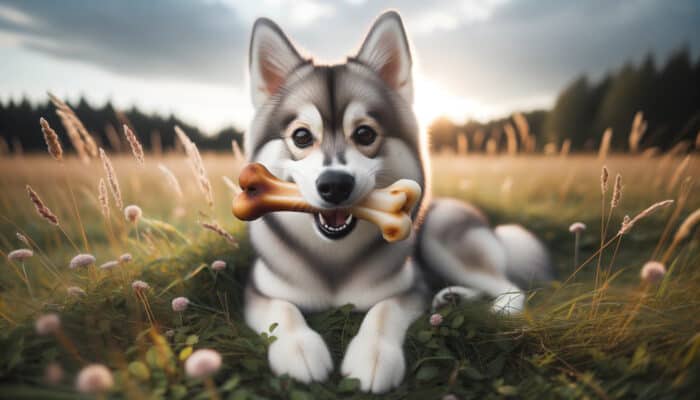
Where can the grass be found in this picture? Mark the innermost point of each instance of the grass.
(617, 339)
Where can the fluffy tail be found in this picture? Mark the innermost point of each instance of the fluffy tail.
(528, 260)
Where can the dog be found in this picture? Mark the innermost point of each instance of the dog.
(339, 132)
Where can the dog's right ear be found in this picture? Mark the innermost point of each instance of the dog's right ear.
(272, 57)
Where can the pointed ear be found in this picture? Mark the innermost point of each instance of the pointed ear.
(386, 51)
(272, 57)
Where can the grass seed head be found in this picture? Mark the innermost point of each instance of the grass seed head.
(41, 208)
(136, 148)
(125, 258)
(112, 179)
(109, 264)
(617, 192)
(51, 138)
(687, 226)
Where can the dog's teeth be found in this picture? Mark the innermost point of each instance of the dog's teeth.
(323, 220)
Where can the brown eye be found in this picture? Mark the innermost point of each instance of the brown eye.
(364, 135)
(302, 138)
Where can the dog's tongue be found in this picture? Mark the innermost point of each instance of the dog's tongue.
(335, 218)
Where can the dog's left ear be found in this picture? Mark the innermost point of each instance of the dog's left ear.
(386, 51)
(272, 58)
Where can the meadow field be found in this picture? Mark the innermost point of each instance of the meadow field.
(598, 331)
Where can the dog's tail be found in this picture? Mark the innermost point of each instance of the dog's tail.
(528, 261)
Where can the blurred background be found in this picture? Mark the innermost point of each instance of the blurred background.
(567, 69)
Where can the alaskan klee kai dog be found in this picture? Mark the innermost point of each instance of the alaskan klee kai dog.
(339, 132)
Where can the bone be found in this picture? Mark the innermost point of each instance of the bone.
(388, 208)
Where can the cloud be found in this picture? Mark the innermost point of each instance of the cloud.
(495, 52)
(154, 38)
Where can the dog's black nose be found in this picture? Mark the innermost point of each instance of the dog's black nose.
(335, 186)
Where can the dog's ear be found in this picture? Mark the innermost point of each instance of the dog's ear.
(386, 51)
(272, 57)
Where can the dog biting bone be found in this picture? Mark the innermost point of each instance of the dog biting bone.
(388, 208)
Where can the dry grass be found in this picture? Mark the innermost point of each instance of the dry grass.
(606, 338)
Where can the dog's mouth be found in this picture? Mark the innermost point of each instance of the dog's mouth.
(335, 224)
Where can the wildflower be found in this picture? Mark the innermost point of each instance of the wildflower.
(20, 255)
(139, 285)
(53, 373)
(109, 264)
(203, 363)
(75, 291)
(82, 260)
(218, 265)
(653, 272)
(95, 378)
(47, 324)
(180, 304)
(125, 258)
(133, 213)
(436, 319)
(577, 227)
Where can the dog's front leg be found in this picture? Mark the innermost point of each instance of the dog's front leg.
(375, 354)
(298, 351)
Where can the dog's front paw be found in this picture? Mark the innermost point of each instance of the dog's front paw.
(378, 364)
(301, 354)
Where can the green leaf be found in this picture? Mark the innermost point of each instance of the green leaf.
(424, 336)
(139, 370)
(231, 383)
(192, 340)
(299, 395)
(349, 385)
(458, 321)
(427, 372)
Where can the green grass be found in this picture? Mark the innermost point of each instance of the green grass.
(625, 341)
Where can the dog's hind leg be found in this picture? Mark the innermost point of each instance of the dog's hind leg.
(375, 354)
(298, 351)
(457, 244)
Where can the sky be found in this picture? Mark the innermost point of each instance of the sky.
(474, 59)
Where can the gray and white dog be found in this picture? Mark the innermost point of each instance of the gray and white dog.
(339, 132)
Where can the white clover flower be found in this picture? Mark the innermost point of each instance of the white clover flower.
(75, 291)
(47, 324)
(20, 255)
(94, 379)
(577, 227)
(653, 272)
(203, 363)
(53, 373)
(133, 213)
(180, 304)
(109, 264)
(139, 285)
(436, 319)
(218, 265)
(82, 260)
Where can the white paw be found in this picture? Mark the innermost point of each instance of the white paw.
(301, 354)
(509, 303)
(378, 364)
(454, 294)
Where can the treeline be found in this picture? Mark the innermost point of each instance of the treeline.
(20, 131)
(668, 96)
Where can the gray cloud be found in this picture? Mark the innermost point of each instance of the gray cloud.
(520, 49)
(154, 38)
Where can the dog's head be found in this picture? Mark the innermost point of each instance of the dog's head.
(338, 131)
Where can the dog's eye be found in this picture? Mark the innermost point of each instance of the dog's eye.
(364, 135)
(302, 138)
